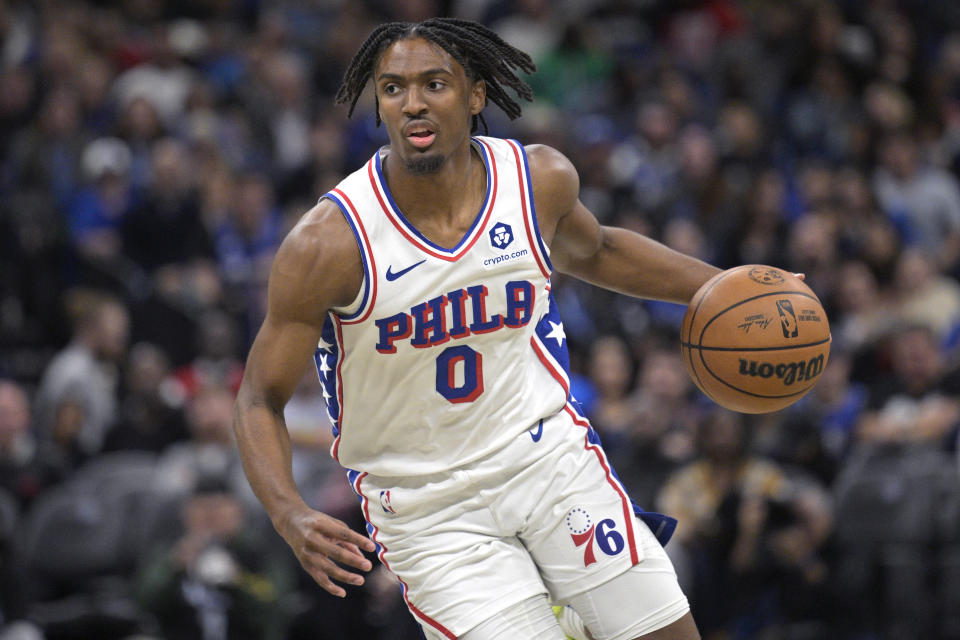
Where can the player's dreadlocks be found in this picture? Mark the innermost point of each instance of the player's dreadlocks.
(482, 53)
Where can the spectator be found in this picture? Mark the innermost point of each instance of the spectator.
(863, 310)
(139, 126)
(216, 362)
(659, 436)
(164, 228)
(209, 453)
(610, 370)
(575, 74)
(77, 400)
(865, 233)
(825, 420)
(812, 249)
(251, 233)
(750, 529)
(163, 83)
(17, 93)
(647, 165)
(923, 201)
(740, 137)
(289, 114)
(215, 581)
(703, 196)
(26, 468)
(306, 416)
(531, 27)
(918, 400)
(924, 295)
(97, 210)
(45, 158)
(93, 84)
(151, 416)
(821, 116)
(763, 234)
(323, 169)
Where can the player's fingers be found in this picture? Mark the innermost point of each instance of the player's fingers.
(339, 530)
(801, 276)
(325, 571)
(350, 547)
(324, 546)
(342, 575)
(350, 557)
(320, 576)
(327, 584)
(350, 536)
(345, 555)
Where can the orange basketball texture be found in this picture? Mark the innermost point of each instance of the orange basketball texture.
(755, 338)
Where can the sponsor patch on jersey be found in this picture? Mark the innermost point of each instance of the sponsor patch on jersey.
(501, 236)
(494, 261)
(501, 239)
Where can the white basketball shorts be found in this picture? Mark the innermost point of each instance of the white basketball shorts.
(544, 514)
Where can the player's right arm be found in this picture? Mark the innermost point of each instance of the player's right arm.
(317, 267)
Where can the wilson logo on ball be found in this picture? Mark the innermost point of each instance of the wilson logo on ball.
(789, 372)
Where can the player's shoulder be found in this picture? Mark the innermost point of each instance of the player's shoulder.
(556, 184)
(545, 158)
(313, 230)
(320, 253)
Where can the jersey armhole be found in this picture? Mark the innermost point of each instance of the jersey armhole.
(364, 300)
(530, 209)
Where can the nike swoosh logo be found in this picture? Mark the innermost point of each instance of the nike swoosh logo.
(393, 275)
(536, 435)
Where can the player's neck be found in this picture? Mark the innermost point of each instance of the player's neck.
(450, 192)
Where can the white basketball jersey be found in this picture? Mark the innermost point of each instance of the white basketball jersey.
(448, 353)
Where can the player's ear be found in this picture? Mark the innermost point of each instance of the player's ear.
(478, 97)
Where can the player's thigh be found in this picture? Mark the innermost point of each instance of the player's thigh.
(581, 529)
(456, 563)
(640, 601)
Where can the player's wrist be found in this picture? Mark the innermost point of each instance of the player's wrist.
(285, 517)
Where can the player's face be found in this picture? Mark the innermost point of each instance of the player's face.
(426, 103)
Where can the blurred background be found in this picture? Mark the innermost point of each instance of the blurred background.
(153, 154)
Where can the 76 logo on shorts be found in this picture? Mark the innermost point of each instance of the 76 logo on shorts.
(584, 533)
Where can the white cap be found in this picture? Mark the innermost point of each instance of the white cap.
(106, 155)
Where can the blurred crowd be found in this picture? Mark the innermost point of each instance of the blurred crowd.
(153, 154)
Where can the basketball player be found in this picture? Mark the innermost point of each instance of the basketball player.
(421, 286)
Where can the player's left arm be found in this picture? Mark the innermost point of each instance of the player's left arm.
(609, 257)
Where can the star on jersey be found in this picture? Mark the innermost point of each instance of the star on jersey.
(557, 332)
(324, 367)
(323, 345)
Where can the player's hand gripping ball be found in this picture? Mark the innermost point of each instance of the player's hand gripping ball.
(755, 339)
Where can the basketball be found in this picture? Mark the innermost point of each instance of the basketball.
(755, 339)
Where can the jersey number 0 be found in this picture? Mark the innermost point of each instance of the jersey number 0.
(472, 384)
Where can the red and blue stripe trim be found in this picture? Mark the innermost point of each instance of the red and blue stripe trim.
(592, 443)
(529, 208)
(356, 478)
(410, 232)
(366, 255)
(338, 382)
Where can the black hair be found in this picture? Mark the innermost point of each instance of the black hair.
(482, 53)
